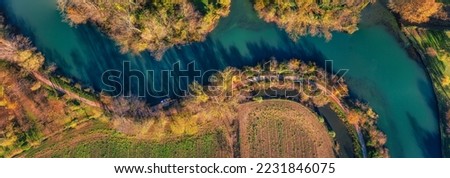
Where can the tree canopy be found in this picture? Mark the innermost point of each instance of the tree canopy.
(18, 49)
(316, 18)
(415, 11)
(153, 25)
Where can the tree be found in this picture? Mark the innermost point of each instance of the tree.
(198, 93)
(18, 49)
(315, 18)
(354, 117)
(294, 64)
(415, 11)
(320, 100)
(154, 25)
(445, 81)
(133, 107)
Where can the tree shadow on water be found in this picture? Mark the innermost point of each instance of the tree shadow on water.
(427, 91)
(430, 143)
(303, 50)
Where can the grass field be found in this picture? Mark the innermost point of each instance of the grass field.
(281, 128)
(96, 140)
(271, 128)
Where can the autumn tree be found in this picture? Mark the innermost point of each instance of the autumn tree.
(309, 17)
(415, 11)
(354, 117)
(148, 25)
(129, 107)
(18, 49)
(320, 100)
(197, 93)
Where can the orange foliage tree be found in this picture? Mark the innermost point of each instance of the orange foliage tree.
(354, 117)
(415, 11)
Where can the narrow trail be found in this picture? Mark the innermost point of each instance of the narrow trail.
(71, 94)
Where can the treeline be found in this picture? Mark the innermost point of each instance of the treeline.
(153, 25)
(309, 85)
(418, 11)
(366, 119)
(311, 17)
(30, 112)
(18, 49)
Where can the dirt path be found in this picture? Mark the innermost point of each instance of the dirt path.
(71, 94)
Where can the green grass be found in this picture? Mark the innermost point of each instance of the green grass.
(99, 141)
(70, 87)
(121, 147)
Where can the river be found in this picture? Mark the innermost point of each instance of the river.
(380, 71)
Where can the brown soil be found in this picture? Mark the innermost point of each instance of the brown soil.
(280, 128)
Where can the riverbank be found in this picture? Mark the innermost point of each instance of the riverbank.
(423, 45)
(154, 26)
(40, 77)
(186, 120)
(428, 44)
(433, 51)
(33, 111)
